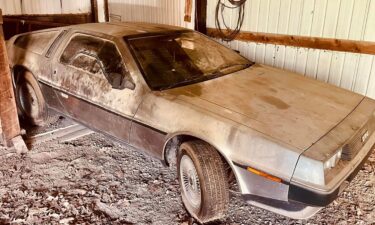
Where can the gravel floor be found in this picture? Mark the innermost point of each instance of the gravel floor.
(95, 181)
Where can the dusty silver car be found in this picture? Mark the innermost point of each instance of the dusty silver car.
(292, 143)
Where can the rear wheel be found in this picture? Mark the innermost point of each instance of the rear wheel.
(203, 181)
(30, 101)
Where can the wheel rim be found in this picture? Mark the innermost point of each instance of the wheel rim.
(191, 188)
(28, 100)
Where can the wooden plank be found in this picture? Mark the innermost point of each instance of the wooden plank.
(364, 47)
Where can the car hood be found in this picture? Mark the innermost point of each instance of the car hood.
(288, 107)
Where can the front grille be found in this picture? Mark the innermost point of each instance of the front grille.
(351, 149)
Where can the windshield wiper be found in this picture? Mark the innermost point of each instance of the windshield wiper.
(215, 74)
(185, 82)
(221, 69)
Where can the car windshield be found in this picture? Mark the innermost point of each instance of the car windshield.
(178, 59)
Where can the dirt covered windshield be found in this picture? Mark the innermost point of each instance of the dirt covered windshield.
(179, 59)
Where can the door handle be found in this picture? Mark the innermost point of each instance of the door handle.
(64, 95)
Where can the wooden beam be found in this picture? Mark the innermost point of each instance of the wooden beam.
(106, 10)
(363, 47)
(54, 18)
(94, 11)
(201, 16)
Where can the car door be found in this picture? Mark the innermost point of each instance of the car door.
(82, 77)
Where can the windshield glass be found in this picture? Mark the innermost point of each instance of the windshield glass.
(179, 59)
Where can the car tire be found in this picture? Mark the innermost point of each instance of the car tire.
(203, 181)
(30, 101)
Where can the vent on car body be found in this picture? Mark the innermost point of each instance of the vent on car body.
(55, 43)
(351, 149)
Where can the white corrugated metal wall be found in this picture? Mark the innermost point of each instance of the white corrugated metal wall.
(344, 19)
(154, 11)
(16, 7)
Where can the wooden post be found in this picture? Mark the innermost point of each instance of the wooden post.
(201, 16)
(94, 11)
(8, 110)
(106, 10)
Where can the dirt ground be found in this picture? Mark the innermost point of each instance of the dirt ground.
(93, 180)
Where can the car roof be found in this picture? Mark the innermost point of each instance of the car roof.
(123, 29)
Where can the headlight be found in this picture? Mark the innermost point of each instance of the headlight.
(332, 162)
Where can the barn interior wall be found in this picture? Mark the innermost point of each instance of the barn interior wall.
(18, 7)
(342, 19)
(154, 11)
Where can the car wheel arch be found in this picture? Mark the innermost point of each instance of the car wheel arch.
(173, 143)
(16, 73)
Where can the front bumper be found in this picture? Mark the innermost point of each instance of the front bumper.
(294, 200)
(320, 199)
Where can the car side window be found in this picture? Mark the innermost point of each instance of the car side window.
(87, 63)
(94, 55)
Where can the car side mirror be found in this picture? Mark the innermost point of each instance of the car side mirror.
(120, 82)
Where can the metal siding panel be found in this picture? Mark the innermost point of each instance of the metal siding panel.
(290, 58)
(370, 26)
(260, 52)
(324, 64)
(41, 7)
(280, 56)
(295, 17)
(337, 66)
(364, 70)
(319, 18)
(269, 57)
(11, 7)
(312, 63)
(153, 11)
(349, 70)
(301, 60)
(263, 16)
(74, 6)
(254, 12)
(371, 84)
(330, 23)
(211, 5)
(344, 19)
(307, 17)
(357, 26)
(284, 17)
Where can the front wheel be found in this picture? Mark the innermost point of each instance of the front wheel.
(203, 181)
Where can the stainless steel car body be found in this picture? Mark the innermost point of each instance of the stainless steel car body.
(274, 121)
